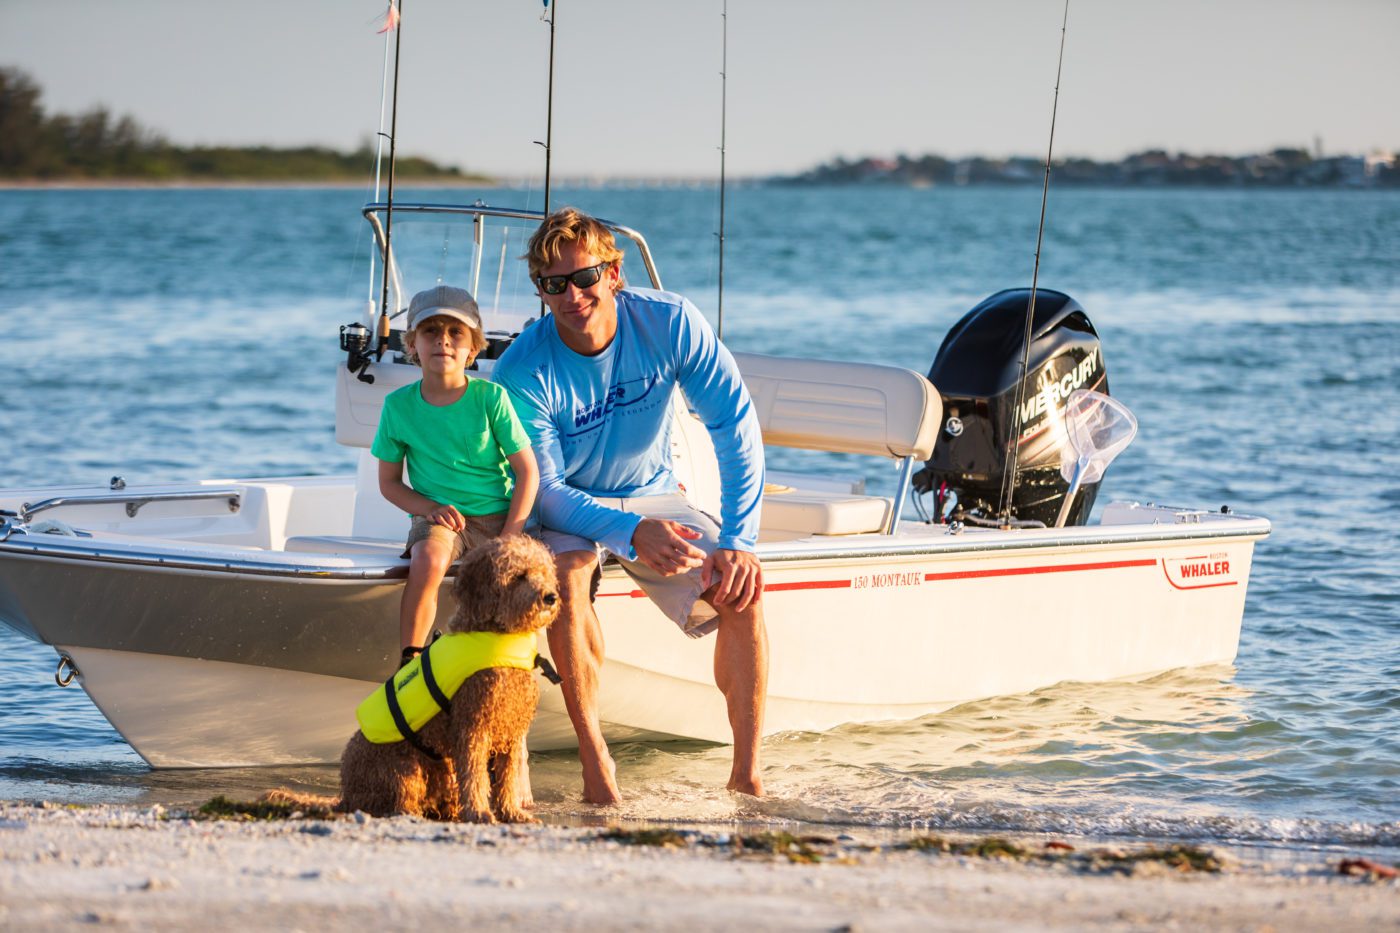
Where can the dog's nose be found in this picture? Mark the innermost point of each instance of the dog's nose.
(550, 599)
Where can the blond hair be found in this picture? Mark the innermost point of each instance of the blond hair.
(571, 225)
(411, 335)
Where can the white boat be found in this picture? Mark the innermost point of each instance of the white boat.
(240, 622)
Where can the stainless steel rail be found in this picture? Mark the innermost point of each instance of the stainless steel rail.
(371, 213)
(50, 547)
(133, 501)
(997, 540)
(906, 477)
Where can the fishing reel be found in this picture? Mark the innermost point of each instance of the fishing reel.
(354, 340)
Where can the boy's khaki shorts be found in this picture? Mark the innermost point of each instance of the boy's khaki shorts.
(677, 596)
(478, 529)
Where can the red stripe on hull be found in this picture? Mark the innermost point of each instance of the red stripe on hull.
(770, 588)
(809, 585)
(958, 575)
(1049, 568)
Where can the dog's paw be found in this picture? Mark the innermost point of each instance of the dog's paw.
(515, 816)
(477, 816)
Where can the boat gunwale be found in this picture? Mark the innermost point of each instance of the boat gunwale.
(1030, 540)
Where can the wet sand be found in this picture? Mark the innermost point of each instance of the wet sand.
(149, 868)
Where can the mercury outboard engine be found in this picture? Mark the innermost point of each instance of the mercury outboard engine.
(977, 371)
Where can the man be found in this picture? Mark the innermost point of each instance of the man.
(592, 383)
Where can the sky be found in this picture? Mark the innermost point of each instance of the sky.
(637, 84)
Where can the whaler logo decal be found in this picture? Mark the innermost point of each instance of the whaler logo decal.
(1199, 572)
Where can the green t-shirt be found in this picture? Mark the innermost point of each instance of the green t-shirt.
(456, 453)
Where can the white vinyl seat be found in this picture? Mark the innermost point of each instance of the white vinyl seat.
(830, 405)
(808, 512)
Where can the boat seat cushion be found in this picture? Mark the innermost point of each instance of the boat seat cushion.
(841, 406)
(337, 544)
(823, 513)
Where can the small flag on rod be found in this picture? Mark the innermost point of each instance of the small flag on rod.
(390, 22)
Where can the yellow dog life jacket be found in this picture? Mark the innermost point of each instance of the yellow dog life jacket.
(442, 667)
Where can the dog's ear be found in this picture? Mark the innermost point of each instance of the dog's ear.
(477, 588)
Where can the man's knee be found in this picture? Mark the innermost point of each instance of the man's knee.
(579, 575)
(746, 622)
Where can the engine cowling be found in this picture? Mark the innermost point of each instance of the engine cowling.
(977, 372)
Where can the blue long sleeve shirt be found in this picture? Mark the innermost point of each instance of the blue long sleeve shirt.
(601, 425)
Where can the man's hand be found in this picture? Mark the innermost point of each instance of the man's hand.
(664, 546)
(737, 575)
(448, 517)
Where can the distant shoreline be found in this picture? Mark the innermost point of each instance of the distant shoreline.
(625, 183)
(90, 184)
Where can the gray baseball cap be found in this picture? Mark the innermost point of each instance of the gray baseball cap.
(444, 301)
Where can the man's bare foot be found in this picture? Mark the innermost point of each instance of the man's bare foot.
(599, 778)
(751, 785)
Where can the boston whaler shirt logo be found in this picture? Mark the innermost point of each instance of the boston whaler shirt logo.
(626, 393)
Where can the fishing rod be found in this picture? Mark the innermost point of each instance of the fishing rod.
(723, 112)
(382, 343)
(1013, 443)
(550, 10)
(390, 21)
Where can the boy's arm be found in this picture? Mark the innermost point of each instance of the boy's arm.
(527, 484)
(393, 488)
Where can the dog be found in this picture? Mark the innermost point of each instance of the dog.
(467, 762)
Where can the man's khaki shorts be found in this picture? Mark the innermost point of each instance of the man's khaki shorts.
(477, 531)
(677, 596)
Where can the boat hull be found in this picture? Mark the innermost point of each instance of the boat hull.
(199, 668)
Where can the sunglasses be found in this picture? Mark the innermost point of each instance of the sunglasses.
(582, 278)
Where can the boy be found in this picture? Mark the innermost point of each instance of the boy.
(458, 435)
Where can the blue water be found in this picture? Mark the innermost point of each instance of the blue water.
(189, 333)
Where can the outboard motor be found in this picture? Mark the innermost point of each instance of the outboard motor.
(977, 371)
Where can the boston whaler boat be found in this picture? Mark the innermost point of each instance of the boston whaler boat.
(241, 622)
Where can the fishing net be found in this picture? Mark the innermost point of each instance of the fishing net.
(1099, 428)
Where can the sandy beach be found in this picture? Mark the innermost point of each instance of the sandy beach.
(126, 867)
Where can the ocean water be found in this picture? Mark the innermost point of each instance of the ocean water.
(175, 334)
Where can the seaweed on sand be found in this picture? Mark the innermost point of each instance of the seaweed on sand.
(665, 838)
(794, 848)
(802, 849)
(222, 808)
(990, 847)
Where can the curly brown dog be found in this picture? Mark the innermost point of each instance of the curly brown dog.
(506, 586)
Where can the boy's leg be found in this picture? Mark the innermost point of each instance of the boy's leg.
(429, 560)
(576, 644)
(478, 529)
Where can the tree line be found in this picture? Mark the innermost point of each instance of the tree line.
(98, 145)
(1282, 167)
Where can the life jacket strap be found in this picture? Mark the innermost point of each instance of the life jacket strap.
(401, 721)
(547, 669)
(429, 681)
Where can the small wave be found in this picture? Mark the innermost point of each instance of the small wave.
(904, 805)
